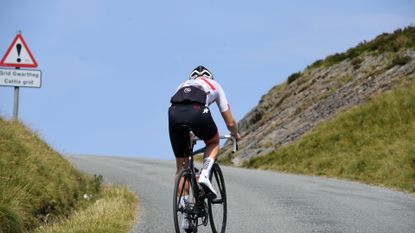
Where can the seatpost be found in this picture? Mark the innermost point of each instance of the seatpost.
(192, 143)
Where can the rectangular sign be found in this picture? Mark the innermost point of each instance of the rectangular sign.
(20, 78)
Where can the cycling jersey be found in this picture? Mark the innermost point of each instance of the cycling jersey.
(213, 90)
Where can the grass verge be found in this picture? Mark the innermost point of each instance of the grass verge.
(114, 212)
(38, 187)
(372, 143)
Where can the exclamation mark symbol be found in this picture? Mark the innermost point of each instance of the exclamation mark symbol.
(19, 49)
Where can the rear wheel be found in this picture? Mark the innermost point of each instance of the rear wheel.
(183, 204)
(218, 206)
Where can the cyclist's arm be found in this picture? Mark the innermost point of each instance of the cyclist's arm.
(231, 123)
(226, 112)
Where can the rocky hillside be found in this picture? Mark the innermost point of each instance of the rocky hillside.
(324, 89)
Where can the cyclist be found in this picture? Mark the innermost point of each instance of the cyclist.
(190, 106)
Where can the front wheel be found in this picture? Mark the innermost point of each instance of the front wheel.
(218, 206)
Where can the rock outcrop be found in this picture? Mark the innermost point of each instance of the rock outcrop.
(322, 90)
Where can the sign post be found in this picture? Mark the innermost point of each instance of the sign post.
(18, 55)
(16, 103)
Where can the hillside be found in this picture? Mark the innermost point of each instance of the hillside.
(371, 143)
(323, 90)
(38, 187)
(351, 115)
(35, 181)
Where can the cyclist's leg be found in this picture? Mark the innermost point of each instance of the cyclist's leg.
(183, 200)
(179, 140)
(179, 115)
(206, 129)
(212, 147)
(181, 163)
(179, 166)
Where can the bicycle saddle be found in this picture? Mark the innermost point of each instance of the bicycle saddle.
(184, 128)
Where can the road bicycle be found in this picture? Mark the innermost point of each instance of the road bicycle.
(200, 207)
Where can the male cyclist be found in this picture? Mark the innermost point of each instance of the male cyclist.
(190, 106)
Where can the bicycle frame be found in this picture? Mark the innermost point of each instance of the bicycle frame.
(190, 166)
(187, 184)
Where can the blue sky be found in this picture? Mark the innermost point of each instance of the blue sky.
(110, 67)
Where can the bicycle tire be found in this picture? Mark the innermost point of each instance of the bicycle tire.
(183, 178)
(218, 206)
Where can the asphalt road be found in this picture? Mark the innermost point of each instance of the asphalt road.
(263, 201)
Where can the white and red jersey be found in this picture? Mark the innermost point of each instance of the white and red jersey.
(213, 90)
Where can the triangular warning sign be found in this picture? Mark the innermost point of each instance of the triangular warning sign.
(18, 54)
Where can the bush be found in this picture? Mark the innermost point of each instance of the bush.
(356, 62)
(317, 63)
(336, 58)
(293, 77)
(401, 60)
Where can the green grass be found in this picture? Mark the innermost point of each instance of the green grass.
(9, 221)
(113, 213)
(37, 185)
(372, 143)
(35, 181)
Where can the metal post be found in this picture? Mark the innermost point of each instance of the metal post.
(16, 96)
(16, 100)
(16, 103)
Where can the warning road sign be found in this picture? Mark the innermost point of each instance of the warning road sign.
(18, 54)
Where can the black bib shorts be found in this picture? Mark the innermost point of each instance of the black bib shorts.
(196, 116)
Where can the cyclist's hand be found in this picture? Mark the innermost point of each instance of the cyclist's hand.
(237, 136)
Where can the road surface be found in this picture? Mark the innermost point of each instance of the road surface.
(262, 201)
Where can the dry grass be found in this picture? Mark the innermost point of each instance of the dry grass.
(113, 213)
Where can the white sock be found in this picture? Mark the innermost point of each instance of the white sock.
(207, 166)
(183, 200)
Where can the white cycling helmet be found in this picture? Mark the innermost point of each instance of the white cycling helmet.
(201, 71)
